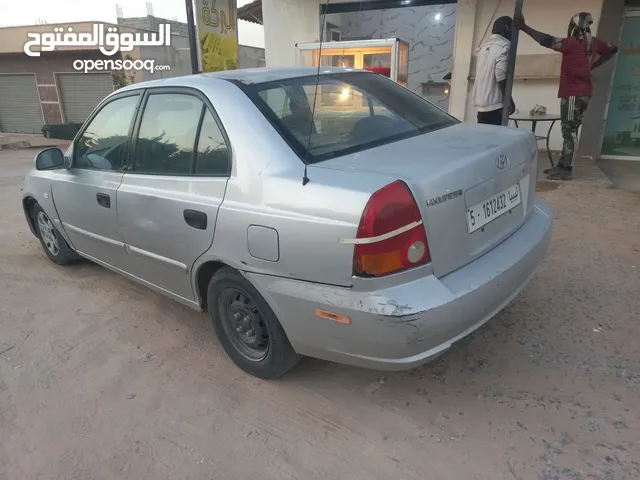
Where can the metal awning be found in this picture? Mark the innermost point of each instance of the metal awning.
(251, 12)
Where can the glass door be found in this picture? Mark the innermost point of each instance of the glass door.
(622, 129)
(338, 60)
(377, 59)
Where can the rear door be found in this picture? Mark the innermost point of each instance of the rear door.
(85, 195)
(168, 201)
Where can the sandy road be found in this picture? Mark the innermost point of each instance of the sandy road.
(102, 379)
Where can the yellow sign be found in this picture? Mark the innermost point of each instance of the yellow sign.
(218, 32)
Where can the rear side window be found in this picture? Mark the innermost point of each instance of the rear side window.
(102, 146)
(353, 112)
(213, 156)
(278, 101)
(167, 135)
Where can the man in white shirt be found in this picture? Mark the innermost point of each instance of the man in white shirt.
(491, 74)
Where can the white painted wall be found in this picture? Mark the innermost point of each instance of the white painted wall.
(549, 16)
(286, 23)
(430, 40)
(462, 52)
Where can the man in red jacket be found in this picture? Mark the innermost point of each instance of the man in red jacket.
(581, 53)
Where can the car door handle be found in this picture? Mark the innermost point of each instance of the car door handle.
(196, 219)
(104, 200)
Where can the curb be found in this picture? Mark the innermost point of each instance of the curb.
(25, 144)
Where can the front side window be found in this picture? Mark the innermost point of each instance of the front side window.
(167, 135)
(102, 146)
(353, 112)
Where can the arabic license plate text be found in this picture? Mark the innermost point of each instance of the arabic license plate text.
(488, 210)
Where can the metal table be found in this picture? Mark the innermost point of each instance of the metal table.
(534, 119)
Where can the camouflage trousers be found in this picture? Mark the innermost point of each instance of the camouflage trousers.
(571, 113)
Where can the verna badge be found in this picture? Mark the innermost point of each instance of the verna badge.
(502, 161)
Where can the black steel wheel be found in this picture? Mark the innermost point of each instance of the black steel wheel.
(246, 326)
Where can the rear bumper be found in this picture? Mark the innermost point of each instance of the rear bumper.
(404, 326)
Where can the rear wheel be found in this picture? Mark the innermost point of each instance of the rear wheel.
(246, 326)
(54, 245)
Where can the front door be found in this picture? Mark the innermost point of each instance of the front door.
(85, 195)
(168, 202)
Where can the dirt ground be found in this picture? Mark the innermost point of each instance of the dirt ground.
(102, 379)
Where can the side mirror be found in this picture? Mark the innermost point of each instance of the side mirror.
(49, 159)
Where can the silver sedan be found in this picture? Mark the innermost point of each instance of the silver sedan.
(332, 214)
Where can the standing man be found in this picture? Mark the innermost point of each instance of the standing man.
(581, 53)
(491, 74)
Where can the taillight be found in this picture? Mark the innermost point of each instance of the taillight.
(391, 236)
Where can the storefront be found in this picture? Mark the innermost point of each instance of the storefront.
(426, 27)
(444, 36)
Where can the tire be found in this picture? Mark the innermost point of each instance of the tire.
(232, 300)
(53, 244)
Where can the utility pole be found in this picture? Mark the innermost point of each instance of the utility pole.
(511, 65)
(193, 41)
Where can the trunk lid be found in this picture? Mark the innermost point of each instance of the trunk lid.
(460, 172)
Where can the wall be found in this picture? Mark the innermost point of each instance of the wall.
(476, 16)
(165, 55)
(430, 40)
(250, 57)
(288, 22)
(151, 23)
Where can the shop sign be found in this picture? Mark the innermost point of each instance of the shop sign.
(218, 34)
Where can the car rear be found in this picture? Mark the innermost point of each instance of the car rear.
(407, 321)
(452, 235)
(474, 186)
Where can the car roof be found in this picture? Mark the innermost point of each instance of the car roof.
(248, 76)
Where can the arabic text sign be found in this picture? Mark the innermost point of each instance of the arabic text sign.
(217, 28)
(108, 40)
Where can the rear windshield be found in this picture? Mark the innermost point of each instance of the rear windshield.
(353, 112)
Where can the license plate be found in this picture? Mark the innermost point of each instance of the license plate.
(487, 211)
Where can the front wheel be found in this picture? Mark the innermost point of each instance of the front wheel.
(247, 328)
(54, 245)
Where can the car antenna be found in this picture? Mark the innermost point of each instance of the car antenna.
(305, 177)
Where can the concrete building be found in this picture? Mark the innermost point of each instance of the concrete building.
(151, 22)
(287, 22)
(35, 91)
(48, 89)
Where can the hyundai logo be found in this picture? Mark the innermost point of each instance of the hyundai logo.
(502, 161)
